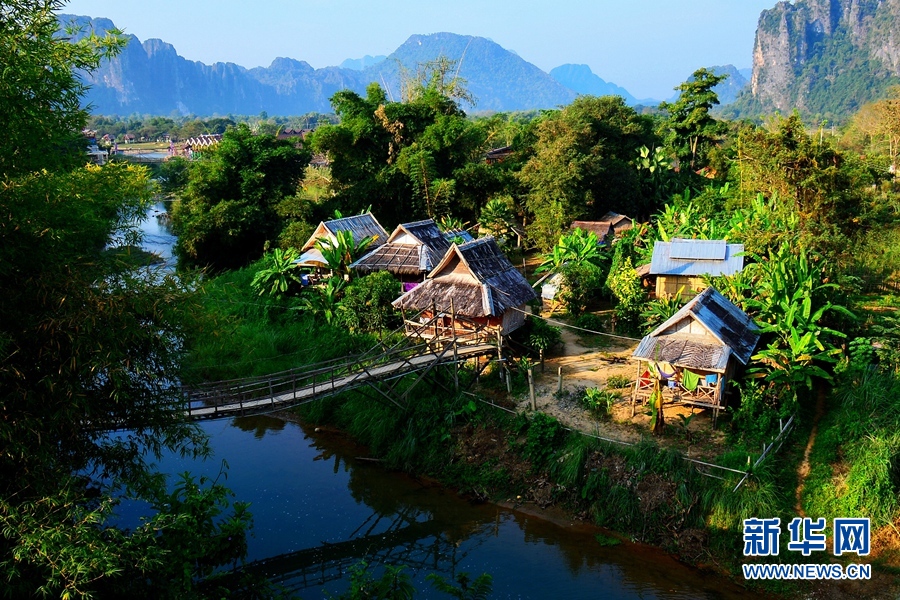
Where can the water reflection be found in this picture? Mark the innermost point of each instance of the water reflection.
(319, 511)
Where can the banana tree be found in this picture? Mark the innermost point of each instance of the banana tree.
(278, 273)
(341, 252)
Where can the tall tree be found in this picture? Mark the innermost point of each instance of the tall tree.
(402, 158)
(690, 130)
(86, 342)
(229, 209)
(582, 165)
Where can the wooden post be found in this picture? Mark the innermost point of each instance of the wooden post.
(455, 344)
(559, 385)
(434, 319)
(634, 392)
(508, 380)
(500, 353)
(531, 388)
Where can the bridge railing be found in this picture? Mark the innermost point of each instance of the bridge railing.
(339, 374)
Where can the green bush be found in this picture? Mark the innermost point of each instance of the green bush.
(618, 381)
(543, 336)
(599, 402)
(590, 321)
(366, 305)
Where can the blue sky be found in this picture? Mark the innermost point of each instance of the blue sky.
(646, 46)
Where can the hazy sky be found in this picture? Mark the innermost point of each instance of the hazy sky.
(646, 46)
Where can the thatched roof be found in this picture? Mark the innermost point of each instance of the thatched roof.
(601, 229)
(477, 276)
(360, 225)
(412, 249)
(724, 331)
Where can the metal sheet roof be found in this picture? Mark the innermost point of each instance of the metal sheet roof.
(697, 249)
(726, 322)
(696, 257)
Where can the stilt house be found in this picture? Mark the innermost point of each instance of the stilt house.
(411, 252)
(695, 352)
(474, 287)
(360, 225)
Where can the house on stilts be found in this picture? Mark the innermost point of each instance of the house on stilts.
(361, 226)
(694, 354)
(411, 252)
(474, 291)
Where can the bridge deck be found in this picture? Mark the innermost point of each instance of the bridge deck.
(345, 382)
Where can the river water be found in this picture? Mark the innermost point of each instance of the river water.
(319, 510)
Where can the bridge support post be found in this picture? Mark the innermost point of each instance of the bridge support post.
(455, 346)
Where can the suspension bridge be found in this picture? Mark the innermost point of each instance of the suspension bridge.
(443, 339)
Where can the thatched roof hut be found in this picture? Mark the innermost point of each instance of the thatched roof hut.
(360, 225)
(478, 282)
(412, 250)
(697, 349)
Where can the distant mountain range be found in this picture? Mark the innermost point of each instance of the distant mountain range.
(152, 78)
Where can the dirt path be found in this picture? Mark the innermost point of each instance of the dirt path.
(803, 469)
(589, 360)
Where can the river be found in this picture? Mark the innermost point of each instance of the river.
(319, 510)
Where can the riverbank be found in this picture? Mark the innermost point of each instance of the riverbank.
(646, 493)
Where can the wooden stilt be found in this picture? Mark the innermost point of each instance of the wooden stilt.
(455, 346)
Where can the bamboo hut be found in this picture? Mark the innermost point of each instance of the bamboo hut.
(410, 253)
(361, 226)
(695, 352)
(682, 263)
(474, 281)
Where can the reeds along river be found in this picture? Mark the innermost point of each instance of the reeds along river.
(319, 511)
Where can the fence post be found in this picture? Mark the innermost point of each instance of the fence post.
(500, 353)
(531, 388)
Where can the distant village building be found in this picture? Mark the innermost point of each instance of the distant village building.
(410, 253)
(682, 263)
(497, 155)
(298, 135)
(695, 352)
(360, 226)
(476, 281)
(607, 228)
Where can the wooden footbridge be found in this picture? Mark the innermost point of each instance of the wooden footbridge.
(441, 340)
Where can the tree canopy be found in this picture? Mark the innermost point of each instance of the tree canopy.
(582, 165)
(228, 210)
(88, 342)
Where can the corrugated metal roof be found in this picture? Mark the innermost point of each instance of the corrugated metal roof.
(697, 249)
(729, 324)
(707, 258)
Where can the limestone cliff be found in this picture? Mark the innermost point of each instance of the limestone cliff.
(824, 57)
